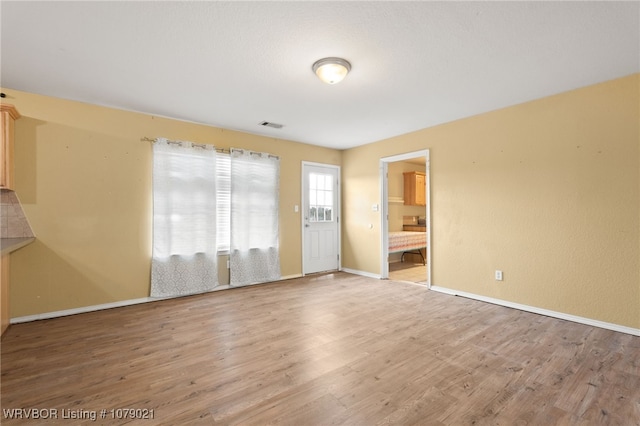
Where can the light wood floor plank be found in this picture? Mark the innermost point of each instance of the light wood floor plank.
(333, 349)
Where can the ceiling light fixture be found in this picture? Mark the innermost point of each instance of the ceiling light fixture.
(331, 70)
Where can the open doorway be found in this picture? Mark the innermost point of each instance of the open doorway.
(406, 224)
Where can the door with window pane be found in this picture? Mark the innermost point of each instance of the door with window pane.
(320, 211)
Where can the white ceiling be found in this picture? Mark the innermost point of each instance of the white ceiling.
(235, 64)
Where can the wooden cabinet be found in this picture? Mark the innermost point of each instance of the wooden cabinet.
(415, 189)
(8, 115)
(4, 292)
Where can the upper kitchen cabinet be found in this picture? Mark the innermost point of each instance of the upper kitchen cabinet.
(8, 115)
(415, 189)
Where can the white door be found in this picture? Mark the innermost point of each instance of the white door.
(320, 220)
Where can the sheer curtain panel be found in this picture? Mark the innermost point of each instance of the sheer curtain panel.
(254, 255)
(184, 219)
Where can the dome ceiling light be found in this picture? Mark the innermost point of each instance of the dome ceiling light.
(331, 70)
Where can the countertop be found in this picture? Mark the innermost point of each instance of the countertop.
(7, 245)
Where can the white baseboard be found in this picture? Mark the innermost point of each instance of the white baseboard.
(363, 273)
(84, 309)
(541, 311)
(92, 308)
(526, 308)
(290, 277)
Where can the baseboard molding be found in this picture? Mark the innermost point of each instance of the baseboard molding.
(119, 304)
(291, 277)
(84, 309)
(541, 311)
(526, 308)
(362, 273)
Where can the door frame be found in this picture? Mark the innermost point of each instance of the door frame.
(338, 210)
(384, 215)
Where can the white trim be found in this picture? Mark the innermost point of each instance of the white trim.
(84, 309)
(122, 303)
(290, 277)
(526, 308)
(384, 218)
(362, 273)
(406, 156)
(541, 311)
(384, 197)
(302, 206)
(419, 284)
(428, 219)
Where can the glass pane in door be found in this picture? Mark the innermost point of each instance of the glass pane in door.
(320, 197)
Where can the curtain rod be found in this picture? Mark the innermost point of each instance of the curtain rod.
(227, 151)
(254, 153)
(199, 145)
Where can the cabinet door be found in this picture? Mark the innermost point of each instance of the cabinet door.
(421, 190)
(8, 114)
(409, 189)
(415, 187)
(4, 292)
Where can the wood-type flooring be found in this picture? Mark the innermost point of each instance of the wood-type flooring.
(333, 349)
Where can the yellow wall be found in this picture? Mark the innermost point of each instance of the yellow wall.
(84, 179)
(547, 191)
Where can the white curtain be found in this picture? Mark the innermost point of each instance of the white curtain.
(254, 255)
(184, 219)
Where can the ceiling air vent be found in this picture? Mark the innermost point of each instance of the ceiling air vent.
(270, 124)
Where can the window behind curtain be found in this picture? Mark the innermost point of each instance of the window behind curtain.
(185, 255)
(254, 254)
(198, 196)
(223, 197)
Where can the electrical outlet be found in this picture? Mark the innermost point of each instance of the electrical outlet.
(498, 275)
